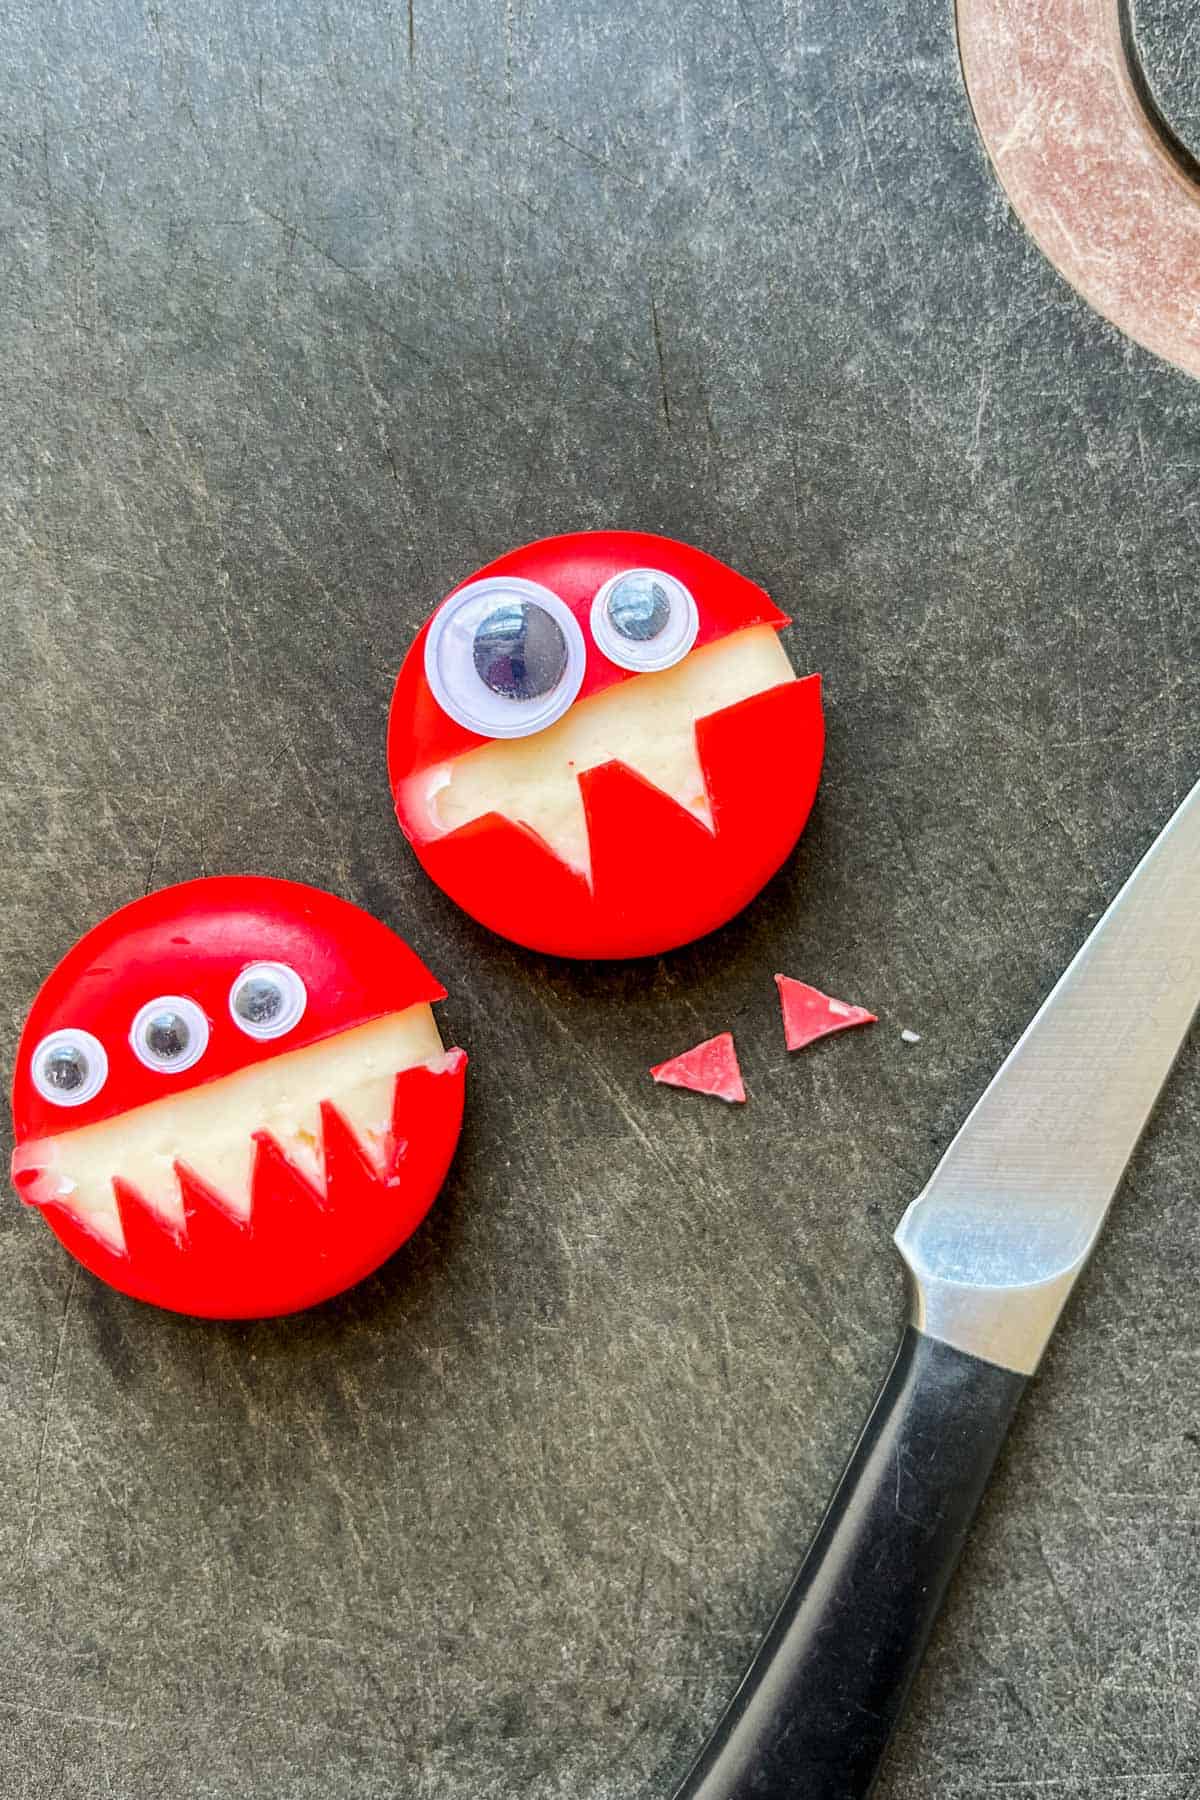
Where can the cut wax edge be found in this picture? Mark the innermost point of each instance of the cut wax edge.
(808, 1014)
(707, 1068)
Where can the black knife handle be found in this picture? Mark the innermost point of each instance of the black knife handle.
(819, 1702)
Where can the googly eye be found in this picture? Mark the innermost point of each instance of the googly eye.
(642, 619)
(505, 657)
(267, 1000)
(69, 1067)
(169, 1034)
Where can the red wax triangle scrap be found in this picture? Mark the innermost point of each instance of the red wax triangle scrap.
(708, 1068)
(808, 1014)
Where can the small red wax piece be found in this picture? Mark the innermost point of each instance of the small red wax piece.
(808, 1014)
(708, 1068)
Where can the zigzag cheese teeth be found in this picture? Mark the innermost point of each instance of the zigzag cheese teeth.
(231, 1098)
(598, 746)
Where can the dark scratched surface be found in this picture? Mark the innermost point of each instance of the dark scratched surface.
(1167, 33)
(307, 310)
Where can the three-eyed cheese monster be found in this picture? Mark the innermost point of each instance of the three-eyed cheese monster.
(598, 745)
(231, 1097)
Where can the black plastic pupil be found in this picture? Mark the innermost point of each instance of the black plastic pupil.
(65, 1069)
(167, 1036)
(520, 651)
(258, 1001)
(639, 608)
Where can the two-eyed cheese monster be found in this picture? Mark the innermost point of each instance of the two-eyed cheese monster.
(598, 746)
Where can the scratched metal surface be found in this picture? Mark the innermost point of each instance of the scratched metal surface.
(307, 310)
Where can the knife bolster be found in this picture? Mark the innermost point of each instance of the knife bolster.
(1008, 1324)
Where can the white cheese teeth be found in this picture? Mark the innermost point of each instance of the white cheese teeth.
(210, 1130)
(647, 723)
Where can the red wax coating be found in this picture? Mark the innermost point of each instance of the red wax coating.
(808, 1014)
(300, 1244)
(708, 1068)
(659, 877)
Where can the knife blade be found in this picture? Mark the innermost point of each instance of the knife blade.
(1000, 1235)
(993, 1246)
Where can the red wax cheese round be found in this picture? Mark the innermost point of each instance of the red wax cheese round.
(598, 746)
(231, 1097)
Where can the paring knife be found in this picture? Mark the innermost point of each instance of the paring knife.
(993, 1247)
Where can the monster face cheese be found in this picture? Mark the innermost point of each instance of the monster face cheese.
(231, 1097)
(599, 748)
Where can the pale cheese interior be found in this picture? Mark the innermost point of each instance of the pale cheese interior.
(649, 723)
(210, 1128)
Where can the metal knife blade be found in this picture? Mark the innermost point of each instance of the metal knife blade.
(997, 1239)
